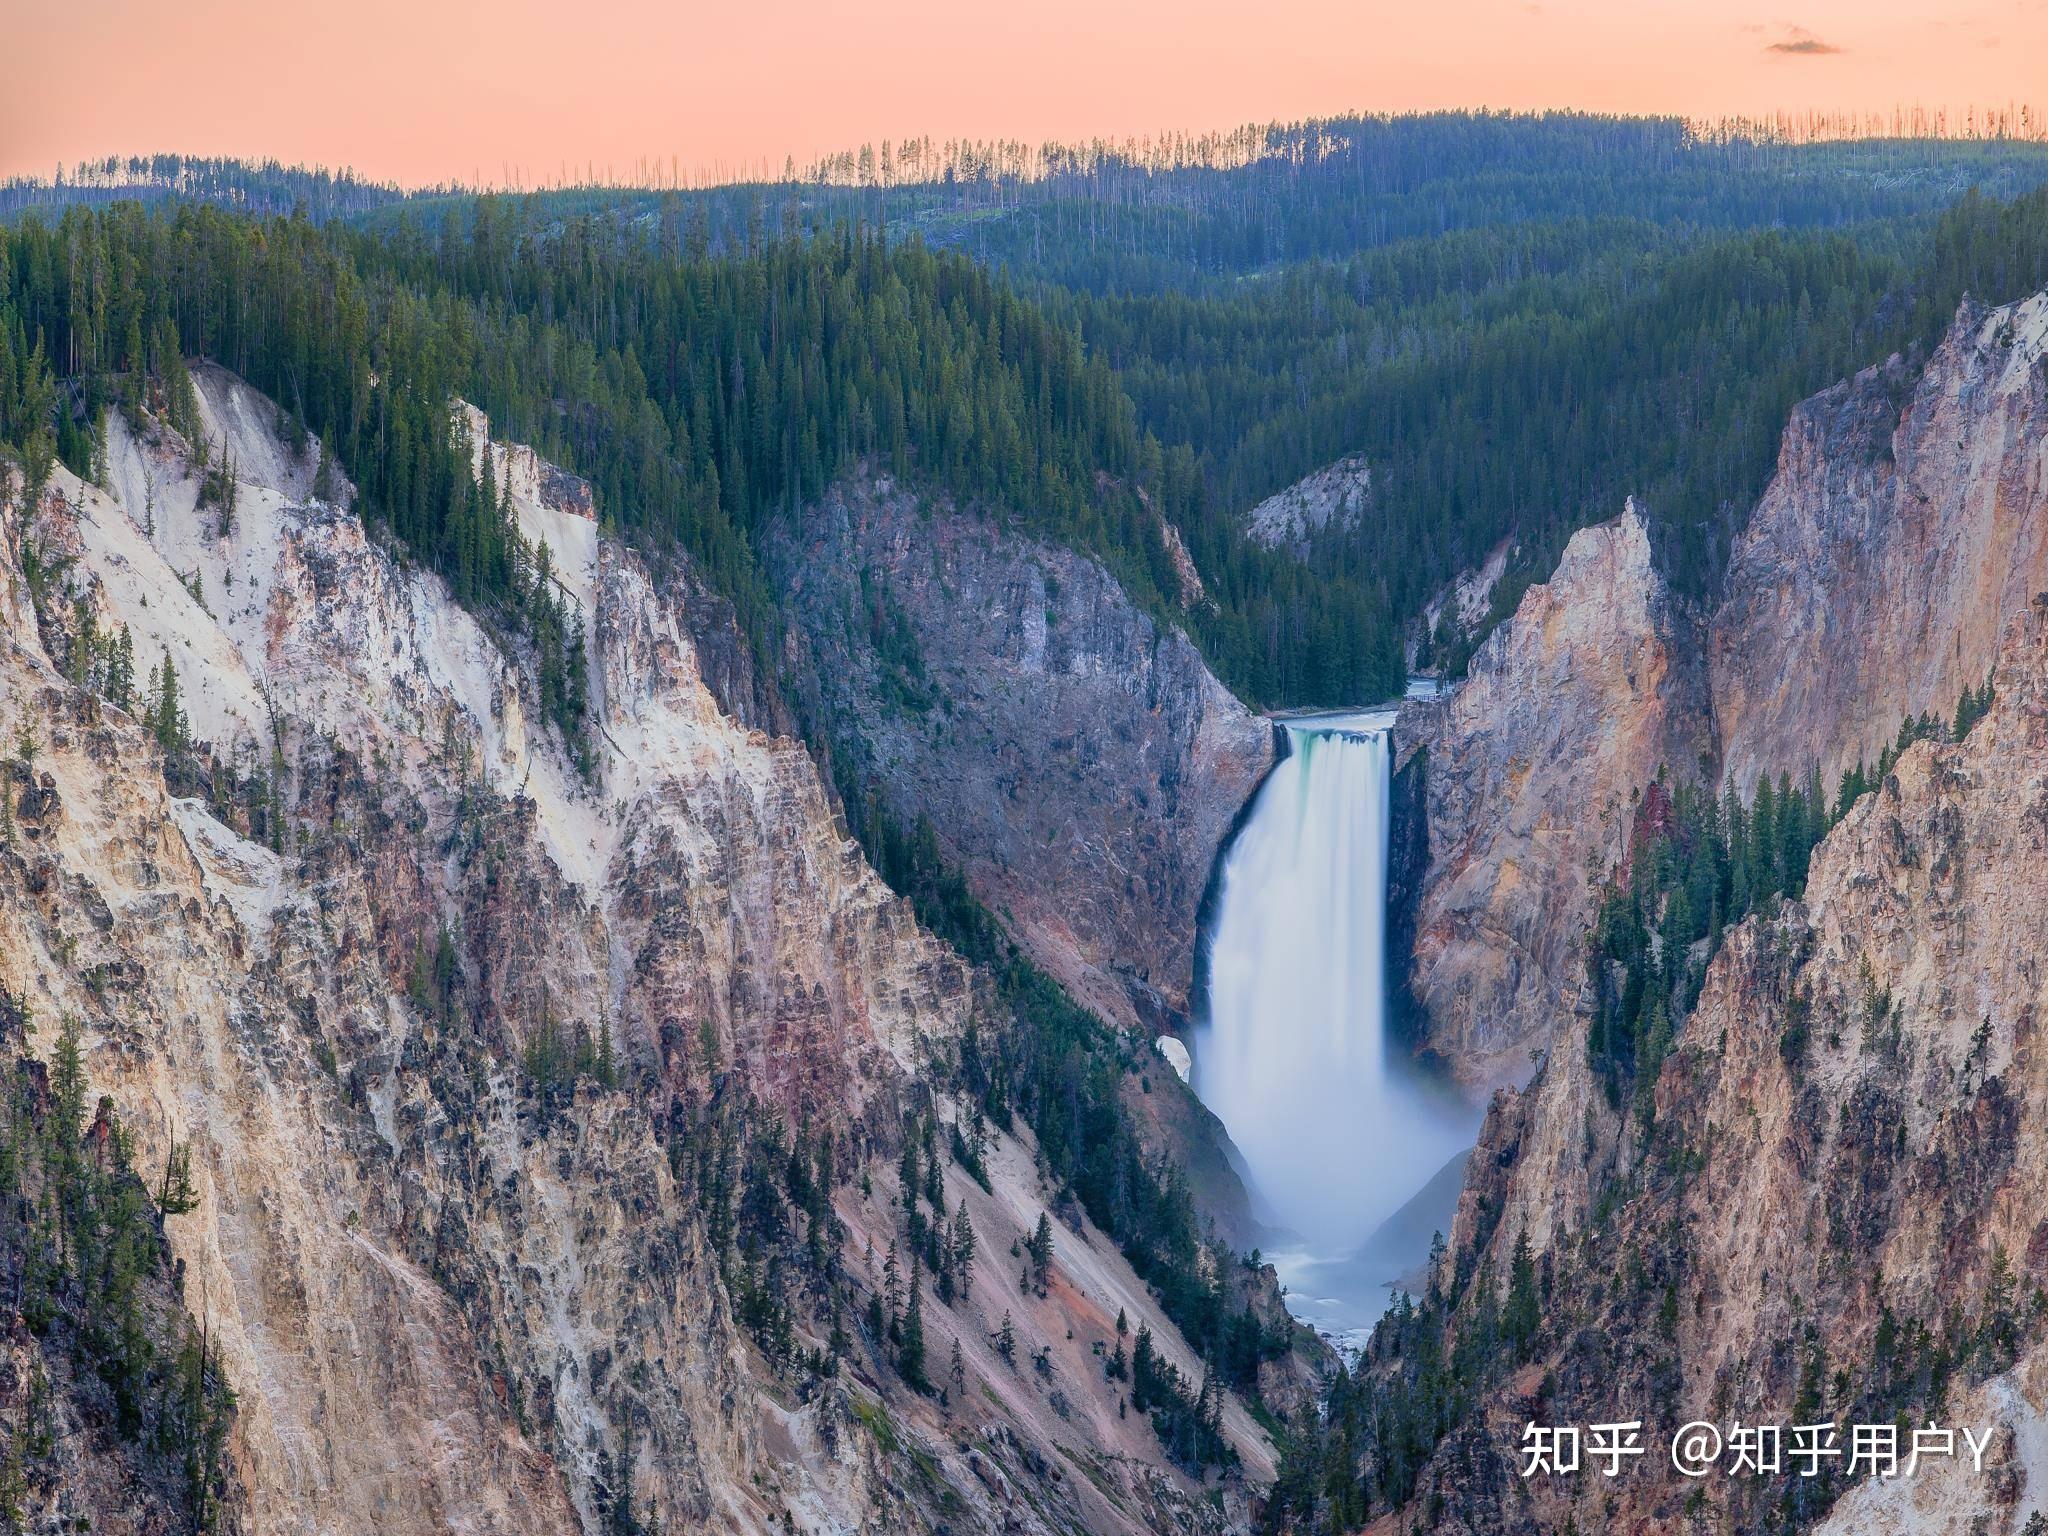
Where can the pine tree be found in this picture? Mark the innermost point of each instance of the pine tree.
(1040, 1250)
(892, 1285)
(963, 1245)
(176, 1195)
(1522, 1315)
(121, 670)
(1006, 1340)
(1143, 1370)
(167, 713)
(910, 1358)
(908, 1175)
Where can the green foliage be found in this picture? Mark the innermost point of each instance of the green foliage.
(82, 1249)
(1509, 371)
(910, 1354)
(164, 709)
(1381, 1421)
(1522, 1314)
(1698, 864)
(556, 1059)
(1038, 1249)
(765, 1196)
(220, 489)
(1189, 1423)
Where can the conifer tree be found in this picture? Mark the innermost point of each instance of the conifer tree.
(910, 1357)
(1040, 1250)
(963, 1244)
(1522, 1314)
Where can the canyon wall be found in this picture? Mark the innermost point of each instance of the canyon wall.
(463, 1038)
(1073, 755)
(1834, 1210)
(1906, 524)
(1825, 1203)
(1532, 766)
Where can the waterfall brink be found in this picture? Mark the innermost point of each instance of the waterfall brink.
(1293, 1057)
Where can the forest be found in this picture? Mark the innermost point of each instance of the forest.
(1517, 321)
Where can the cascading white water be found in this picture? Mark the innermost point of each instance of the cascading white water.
(1293, 1057)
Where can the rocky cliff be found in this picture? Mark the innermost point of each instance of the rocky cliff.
(1830, 1212)
(1907, 522)
(1820, 1205)
(1333, 498)
(1075, 758)
(472, 1053)
(1532, 767)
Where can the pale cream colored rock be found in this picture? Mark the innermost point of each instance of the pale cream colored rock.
(440, 1309)
(1534, 763)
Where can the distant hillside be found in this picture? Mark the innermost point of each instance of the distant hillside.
(1507, 323)
(252, 187)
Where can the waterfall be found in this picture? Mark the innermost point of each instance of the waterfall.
(1336, 1132)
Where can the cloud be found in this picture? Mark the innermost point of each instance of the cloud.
(1797, 40)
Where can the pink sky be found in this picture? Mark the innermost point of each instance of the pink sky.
(429, 90)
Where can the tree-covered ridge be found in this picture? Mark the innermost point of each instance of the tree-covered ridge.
(1506, 383)
(250, 186)
(1182, 212)
(701, 395)
(1517, 384)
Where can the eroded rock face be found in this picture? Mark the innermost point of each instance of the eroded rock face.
(450, 1296)
(1857, 1096)
(1334, 497)
(1079, 762)
(1532, 766)
(1906, 524)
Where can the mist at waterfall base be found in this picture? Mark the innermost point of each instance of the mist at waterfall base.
(1349, 1148)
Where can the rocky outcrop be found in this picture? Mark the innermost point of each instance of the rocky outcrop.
(469, 1047)
(1333, 498)
(1834, 1210)
(1906, 524)
(1457, 614)
(1533, 766)
(1074, 758)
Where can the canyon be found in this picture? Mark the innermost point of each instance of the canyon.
(1822, 1201)
(462, 1038)
(1903, 529)
(493, 1053)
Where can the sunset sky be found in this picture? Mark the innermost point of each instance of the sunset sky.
(429, 90)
